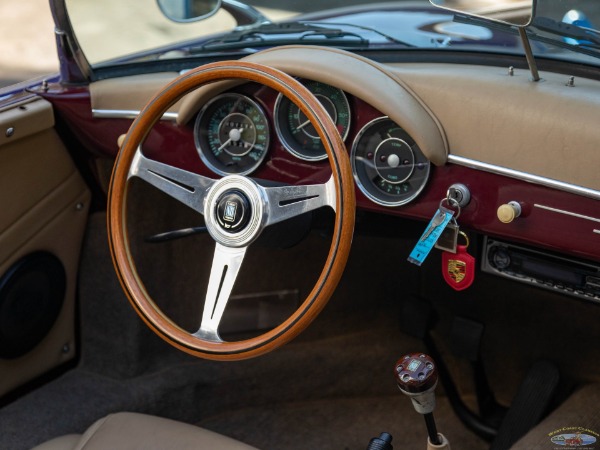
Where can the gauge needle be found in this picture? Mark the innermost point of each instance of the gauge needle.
(303, 125)
(225, 144)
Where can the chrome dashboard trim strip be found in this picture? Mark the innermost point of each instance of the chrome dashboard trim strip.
(568, 213)
(126, 114)
(524, 176)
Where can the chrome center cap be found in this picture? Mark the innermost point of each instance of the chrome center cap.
(235, 211)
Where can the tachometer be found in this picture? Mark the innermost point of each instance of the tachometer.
(388, 166)
(296, 132)
(232, 134)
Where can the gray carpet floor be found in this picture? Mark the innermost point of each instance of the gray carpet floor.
(331, 388)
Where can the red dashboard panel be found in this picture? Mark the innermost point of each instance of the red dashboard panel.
(551, 219)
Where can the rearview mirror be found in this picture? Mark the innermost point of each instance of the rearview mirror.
(188, 10)
(518, 13)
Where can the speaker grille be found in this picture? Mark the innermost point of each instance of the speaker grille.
(32, 293)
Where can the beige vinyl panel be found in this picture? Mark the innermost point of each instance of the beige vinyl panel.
(481, 113)
(44, 205)
(129, 93)
(546, 128)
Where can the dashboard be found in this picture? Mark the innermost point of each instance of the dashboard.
(411, 130)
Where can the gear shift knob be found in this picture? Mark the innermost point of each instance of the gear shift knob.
(417, 377)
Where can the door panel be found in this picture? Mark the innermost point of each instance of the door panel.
(44, 203)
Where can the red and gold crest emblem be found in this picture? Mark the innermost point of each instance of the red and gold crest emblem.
(456, 270)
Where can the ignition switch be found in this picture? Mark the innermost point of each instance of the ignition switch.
(460, 193)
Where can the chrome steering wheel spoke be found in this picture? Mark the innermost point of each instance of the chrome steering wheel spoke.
(187, 187)
(225, 268)
(286, 202)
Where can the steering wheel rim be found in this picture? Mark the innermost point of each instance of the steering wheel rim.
(341, 180)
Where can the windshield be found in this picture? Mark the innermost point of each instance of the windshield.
(113, 30)
(105, 30)
(571, 24)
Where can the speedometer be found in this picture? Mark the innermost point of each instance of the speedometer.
(232, 134)
(296, 132)
(388, 166)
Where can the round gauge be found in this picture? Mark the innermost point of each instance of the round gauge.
(232, 134)
(296, 132)
(388, 166)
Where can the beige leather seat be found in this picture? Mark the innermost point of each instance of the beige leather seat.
(132, 431)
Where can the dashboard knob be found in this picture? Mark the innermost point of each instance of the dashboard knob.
(509, 212)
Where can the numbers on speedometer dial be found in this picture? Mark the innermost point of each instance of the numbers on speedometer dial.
(232, 134)
(388, 166)
(296, 132)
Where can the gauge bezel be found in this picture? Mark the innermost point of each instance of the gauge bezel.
(289, 146)
(205, 159)
(359, 182)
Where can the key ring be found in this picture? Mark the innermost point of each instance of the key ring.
(467, 241)
(452, 205)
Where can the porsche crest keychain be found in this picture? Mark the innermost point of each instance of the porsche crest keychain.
(458, 268)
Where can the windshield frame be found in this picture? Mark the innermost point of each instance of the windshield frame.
(73, 64)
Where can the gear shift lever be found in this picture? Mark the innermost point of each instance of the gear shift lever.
(416, 375)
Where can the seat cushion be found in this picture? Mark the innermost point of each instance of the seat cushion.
(132, 431)
(69, 441)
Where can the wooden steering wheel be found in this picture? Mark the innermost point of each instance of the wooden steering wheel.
(256, 207)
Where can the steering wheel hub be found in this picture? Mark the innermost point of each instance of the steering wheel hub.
(234, 211)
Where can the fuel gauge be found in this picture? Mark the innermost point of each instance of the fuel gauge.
(388, 166)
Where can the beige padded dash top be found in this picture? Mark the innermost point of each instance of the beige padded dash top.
(372, 82)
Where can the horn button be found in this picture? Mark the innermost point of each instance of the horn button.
(233, 211)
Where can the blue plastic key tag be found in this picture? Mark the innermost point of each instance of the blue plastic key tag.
(432, 233)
